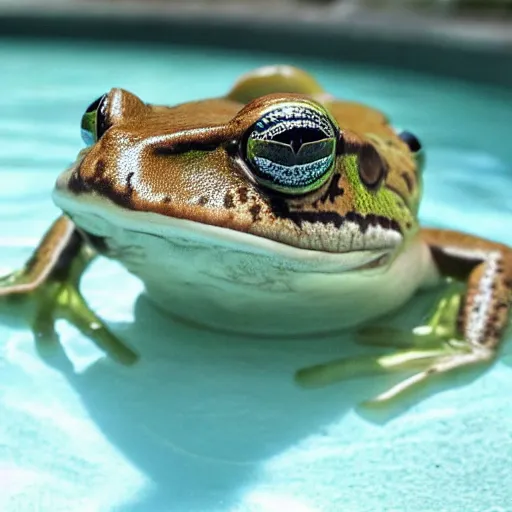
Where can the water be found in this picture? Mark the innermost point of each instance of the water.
(204, 423)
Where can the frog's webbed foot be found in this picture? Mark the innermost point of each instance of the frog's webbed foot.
(465, 329)
(439, 326)
(426, 350)
(50, 283)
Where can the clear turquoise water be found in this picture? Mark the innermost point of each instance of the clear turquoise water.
(204, 423)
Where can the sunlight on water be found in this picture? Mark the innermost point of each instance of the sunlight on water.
(207, 423)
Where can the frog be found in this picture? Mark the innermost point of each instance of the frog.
(276, 210)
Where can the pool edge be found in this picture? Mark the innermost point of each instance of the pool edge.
(409, 42)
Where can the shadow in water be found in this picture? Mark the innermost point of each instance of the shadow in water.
(199, 413)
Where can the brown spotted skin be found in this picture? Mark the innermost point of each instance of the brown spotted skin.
(186, 162)
(487, 268)
(58, 247)
(188, 165)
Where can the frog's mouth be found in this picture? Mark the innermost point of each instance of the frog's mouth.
(106, 220)
(331, 232)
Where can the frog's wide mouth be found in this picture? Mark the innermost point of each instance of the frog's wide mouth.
(105, 219)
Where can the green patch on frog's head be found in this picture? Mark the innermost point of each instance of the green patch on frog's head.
(347, 192)
(382, 201)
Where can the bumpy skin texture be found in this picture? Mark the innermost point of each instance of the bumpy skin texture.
(487, 268)
(61, 238)
(186, 162)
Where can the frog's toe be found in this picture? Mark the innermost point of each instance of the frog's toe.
(443, 363)
(53, 300)
(440, 326)
(424, 362)
(386, 336)
(70, 305)
(47, 290)
(367, 365)
(334, 371)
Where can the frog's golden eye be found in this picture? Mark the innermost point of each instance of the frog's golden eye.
(94, 123)
(292, 148)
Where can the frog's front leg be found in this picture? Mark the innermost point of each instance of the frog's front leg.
(484, 310)
(466, 328)
(50, 282)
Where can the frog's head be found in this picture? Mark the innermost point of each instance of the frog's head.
(276, 165)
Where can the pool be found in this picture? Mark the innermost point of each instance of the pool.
(215, 423)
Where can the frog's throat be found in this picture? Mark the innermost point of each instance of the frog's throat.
(107, 220)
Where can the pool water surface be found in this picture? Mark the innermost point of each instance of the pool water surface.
(209, 423)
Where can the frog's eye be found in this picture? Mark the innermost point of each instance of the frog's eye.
(94, 123)
(415, 147)
(292, 148)
(411, 140)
